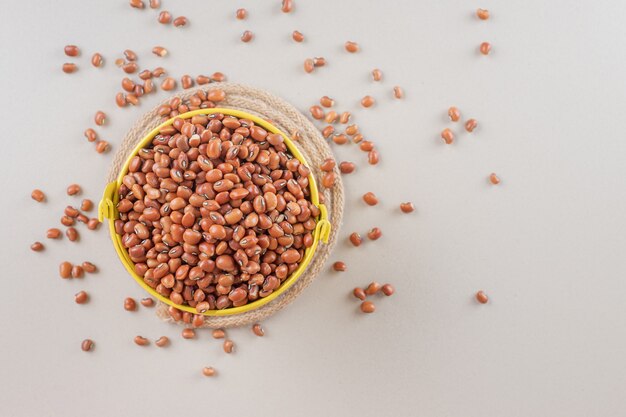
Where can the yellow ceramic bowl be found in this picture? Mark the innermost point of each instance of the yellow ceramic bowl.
(107, 209)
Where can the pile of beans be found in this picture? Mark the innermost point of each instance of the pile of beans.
(215, 213)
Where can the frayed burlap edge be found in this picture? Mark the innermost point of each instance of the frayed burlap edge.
(312, 145)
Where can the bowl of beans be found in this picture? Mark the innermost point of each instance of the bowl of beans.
(215, 212)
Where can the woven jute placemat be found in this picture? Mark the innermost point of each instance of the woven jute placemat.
(312, 145)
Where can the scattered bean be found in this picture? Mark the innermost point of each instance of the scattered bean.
(355, 239)
(372, 288)
(368, 307)
(326, 101)
(351, 47)
(147, 302)
(186, 81)
(345, 117)
(485, 48)
(87, 345)
(331, 117)
(168, 84)
(370, 198)
(328, 180)
(258, 330)
(162, 341)
(188, 333)
(72, 50)
(367, 101)
(69, 68)
(447, 136)
(241, 14)
(247, 36)
(359, 293)
(96, 60)
(89, 267)
(198, 320)
(86, 205)
(155, 4)
(374, 233)
(91, 135)
(328, 165)
(352, 130)
(180, 21)
(347, 167)
(327, 131)
(297, 36)
(470, 125)
(287, 6)
(72, 234)
(141, 341)
(81, 297)
(130, 68)
(482, 14)
(317, 112)
(130, 304)
(102, 146)
(37, 247)
(373, 157)
(340, 266)
(38, 195)
(137, 4)
(481, 297)
(65, 270)
(407, 207)
(388, 289)
(319, 61)
(208, 371)
(218, 334)
(454, 114)
(119, 62)
(493, 178)
(73, 189)
(100, 118)
(159, 51)
(309, 65)
(340, 139)
(93, 224)
(398, 92)
(228, 346)
(130, 55)
(165, 17)
(53, 233)
(78, 271)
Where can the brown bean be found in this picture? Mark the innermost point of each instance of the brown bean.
(351, 47)
(38, 195)
(186, 81)
(130, 304)
(328, 180)
(241, 14)
(347, 167)
(130, 55)
(368, 307)
(374, 234)
(147, 302)
(159, 51)
(398, 92)
(485, 48)
(208, 371)
(447, 136)
(53, 233)
(326, 101)
(81, 297)
(119, 62)
(216, 95)
(339, 266)
(72, 234)
(65, 270)
(493, 178)
(78, 271)
(372, 288)
(482, 14)
(247, 36)
(96, 60)
(377, 74)
(69, 68)
(370, 198)
(137, 4)
(319, 61)
(89, 267)
(86, 205)
(120, 100)
(91, 135)
(218, 334)
(155, 4)
(180, 21)
(93, 224)
(454, 114)
(162, 341)
(470, 125)
(316, 112)
(355, 239)
(367, 101)
(327, 131)
(100, 118)
(228, 346)
(87, 345)
(130, 67)
(73, 189)
(309, 65)
(359, 293)
(165, 17)
(141, 341)
(388, 289)
(481, 297)
(188, 333)
(328, 165)
(287, 6)
(72, 50)
(168, 84)
(258, 330)
(297, 36)
(37, 247)
(373, 157)
(407, 207)
(102, 146)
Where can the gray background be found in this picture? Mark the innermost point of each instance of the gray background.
(546, 245)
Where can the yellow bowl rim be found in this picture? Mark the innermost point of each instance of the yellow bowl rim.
(107, 209)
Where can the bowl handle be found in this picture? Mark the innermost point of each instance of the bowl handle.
(323, 227)
(106, 208)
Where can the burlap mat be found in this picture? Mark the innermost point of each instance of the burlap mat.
(312, 145)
